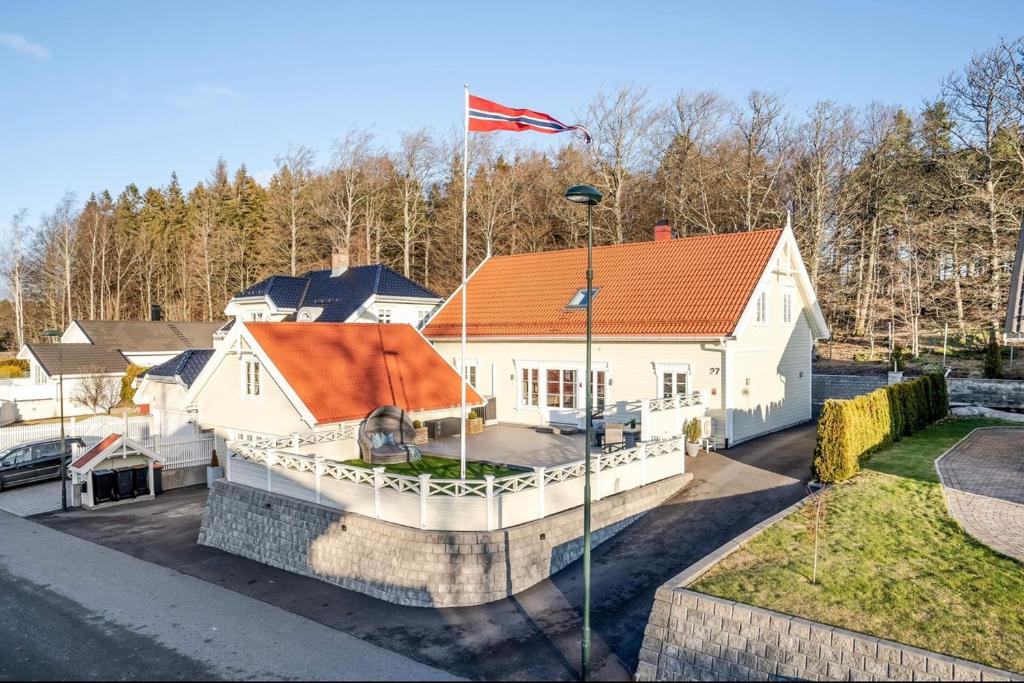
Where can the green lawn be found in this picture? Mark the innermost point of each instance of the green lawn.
(443, 468)
(892, 563)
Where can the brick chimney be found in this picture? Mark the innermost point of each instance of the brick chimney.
(339, 262)
(662, 231)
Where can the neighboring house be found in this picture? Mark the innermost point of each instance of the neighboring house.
(91, 350)
(277, 379)
(372, 293)
(164, 388)
(733, 317)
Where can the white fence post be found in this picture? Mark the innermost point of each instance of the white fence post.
(73, 426)
(597, 476)
(270, 458)
(645, 419)
(489, 479)
(424, 492)
(318, 470)
(643, 461)
(540, 491)
(378, 483)
(295, 442)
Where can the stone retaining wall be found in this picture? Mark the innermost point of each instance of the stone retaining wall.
(991, 393)
(824, 387)
(411, 566)
(692, 636)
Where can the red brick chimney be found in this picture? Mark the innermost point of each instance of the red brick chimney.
(662, 231)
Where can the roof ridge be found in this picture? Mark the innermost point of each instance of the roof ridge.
(675, 240)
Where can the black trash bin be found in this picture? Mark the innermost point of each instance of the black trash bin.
(125, 483)
(140, 480)
(104, 486)
(158, 479)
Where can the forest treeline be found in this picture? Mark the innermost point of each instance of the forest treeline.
(907, 217)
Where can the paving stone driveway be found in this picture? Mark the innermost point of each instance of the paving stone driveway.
(32, 499)
(983, 478)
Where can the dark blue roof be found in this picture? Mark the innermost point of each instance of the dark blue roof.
(340, 296)
(186, 366)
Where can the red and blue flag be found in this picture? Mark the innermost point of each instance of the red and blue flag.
(485, 116)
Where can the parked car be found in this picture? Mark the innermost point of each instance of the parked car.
(35, 461)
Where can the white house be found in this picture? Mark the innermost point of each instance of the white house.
(372, 293)
(279, 379)
(731, 317)
(95, 349)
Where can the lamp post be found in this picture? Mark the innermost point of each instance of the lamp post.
(63, 445)
(588, 195)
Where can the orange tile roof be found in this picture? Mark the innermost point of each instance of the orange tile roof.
(696, 286)
(344, 371)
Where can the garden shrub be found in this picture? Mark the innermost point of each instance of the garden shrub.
(993, 360)
(127, 390)
(12, 367)
(850, 430)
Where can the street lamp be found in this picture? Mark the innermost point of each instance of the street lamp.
(63, 445)
(588, 195)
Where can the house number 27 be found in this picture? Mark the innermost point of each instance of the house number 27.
(713, 371)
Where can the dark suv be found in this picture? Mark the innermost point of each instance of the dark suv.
(35, 461)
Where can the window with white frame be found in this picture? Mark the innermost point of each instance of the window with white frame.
(38, 374)
(599, 380)
(251, 378)
(529, 387)
(674, 383)
(471, 374)
(421, 317)
(787, 307)
(384, 315)
(761, 315)
(561, 388)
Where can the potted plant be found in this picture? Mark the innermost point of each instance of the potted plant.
(214, 471)
(474, 423)
(422, 435)
(693, 434)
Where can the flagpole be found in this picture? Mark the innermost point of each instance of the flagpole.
(465, 221)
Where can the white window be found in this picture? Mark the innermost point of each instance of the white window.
(599, 380)
(529, 387)
(250, 378)
(421, 317)
(673, 384)
(471, 375)
(787, 308)
(761, 317)
(384, 315)
(37, 374)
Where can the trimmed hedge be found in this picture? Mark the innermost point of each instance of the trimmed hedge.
(849, 430)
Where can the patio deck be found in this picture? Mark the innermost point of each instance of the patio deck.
(512, 445)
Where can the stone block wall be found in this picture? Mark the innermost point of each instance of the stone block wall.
(824, 387)
(410, 566)
(990, 393)
(692, 636)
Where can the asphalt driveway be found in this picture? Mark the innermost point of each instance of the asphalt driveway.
(534, 635)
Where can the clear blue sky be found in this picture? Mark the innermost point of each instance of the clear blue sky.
(98, 94)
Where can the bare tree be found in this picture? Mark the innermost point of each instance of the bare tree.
(762, 129)
(415, 165)
(289, 199)
(14, 271)
(343, 194)
(97, 391)
(622, 124)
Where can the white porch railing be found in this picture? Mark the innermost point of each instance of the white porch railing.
(449, 504)
(667, 417)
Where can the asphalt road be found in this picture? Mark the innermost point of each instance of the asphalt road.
(71, 609)
(534, 635)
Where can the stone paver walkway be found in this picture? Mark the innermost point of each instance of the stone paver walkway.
(32, 499)
(983, 478)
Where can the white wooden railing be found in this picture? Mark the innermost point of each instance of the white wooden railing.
(449, 504)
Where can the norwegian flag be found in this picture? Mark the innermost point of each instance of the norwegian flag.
(485, 116)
